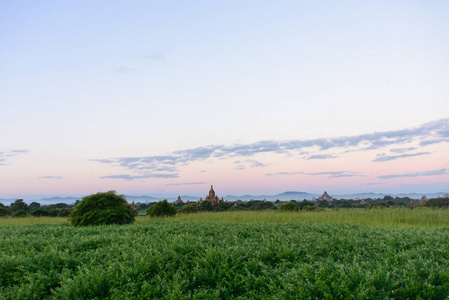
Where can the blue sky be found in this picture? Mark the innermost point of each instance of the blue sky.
(86, 87)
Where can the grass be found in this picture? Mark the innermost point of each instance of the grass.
(33, 220)
(222, 260)
(345, 253)
(390, 218)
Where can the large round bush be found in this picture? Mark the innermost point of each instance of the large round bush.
(161, 209)
(102, 209)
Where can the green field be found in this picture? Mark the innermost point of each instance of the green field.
(332, 254)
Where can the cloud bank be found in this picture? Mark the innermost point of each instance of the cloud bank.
(416, 174)
(149, 166)
(331, 174)
(185, 183)
(383, 157)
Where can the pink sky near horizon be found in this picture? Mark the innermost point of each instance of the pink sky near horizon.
(280, 172)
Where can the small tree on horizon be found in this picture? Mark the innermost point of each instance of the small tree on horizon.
(162, 209)
(19, 204)
(289, 206)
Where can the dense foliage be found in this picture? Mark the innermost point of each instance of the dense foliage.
(182, 260)
(20, 213)
(4, 211)
(102, 209)
(19, 204)
(289, 206)
(190, 208)
(438, 203)
(162, 209)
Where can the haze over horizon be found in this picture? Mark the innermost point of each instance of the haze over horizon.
(259, 97)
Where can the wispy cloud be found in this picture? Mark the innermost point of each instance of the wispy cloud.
(416, 174)
(402, 150)
(321, 156)
(330, 174)
(284, 173)
(334, 174)
(50, 177)
(254, 163)
(134, 177)
(429, 184)
(432, 132)
(383, 157)
(430, 142)
(124, 69)
(7, 154)
(184, 183)
(251, 163)
(373, 183)
(160, 55)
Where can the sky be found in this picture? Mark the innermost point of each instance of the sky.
(254, 97)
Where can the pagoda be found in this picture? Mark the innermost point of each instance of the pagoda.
(363, 202)
(326, 197)
(423, 200)
(212, 197)
(178, 201)
(133, 206)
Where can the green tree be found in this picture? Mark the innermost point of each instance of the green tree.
(289, 206)
(223, 206)
(207, 205)
(4, 211)
(322, 203)
(35, 205)
(306, 205)
(161, 209)
(18, 205)
(102, 209)
(20, 213)
(190, 208)
(40, 213)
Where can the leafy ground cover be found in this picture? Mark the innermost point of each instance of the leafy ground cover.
(387, 217)
(217, 260)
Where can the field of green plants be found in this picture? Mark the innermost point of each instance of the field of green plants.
(230, 255)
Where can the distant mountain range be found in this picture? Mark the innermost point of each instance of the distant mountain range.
(291, 195)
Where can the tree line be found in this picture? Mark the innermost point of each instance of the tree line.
(20, 208)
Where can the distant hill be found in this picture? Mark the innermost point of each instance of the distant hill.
(291, 195)
(142, 199)
(381, 195)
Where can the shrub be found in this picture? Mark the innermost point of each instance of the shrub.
(64, 212)
(207, 205)
(190, 208)
(161, 209)
(20, 214)
(4, 211)
(289, 206)
(102, 209)
(40, 213)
